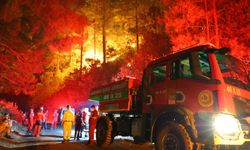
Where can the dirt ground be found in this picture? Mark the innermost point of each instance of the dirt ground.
(117, 145)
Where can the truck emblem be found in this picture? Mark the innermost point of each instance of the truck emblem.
(205, 98)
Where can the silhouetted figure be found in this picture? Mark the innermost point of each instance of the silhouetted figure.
(46, 114)
(24, 120)
(39, 121)
(78, 125)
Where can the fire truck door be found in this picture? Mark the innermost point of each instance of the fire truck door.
(155, 91)
(192, 75)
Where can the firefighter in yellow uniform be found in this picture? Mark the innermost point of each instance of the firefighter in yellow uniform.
(67, 122)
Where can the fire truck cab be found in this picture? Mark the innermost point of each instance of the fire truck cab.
(196, 98)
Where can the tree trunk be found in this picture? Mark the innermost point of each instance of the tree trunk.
(136, 25)
(207, 23)
(217, 39)
(11, 51)
(94, 42)
(81, 60)
(104, 32)
(104, 43)
(58, 62)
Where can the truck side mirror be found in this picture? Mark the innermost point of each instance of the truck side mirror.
(179, 96)
(149, 99)
(248, 78)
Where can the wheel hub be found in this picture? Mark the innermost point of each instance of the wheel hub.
(171, 142)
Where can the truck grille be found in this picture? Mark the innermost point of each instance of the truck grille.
(242, 107)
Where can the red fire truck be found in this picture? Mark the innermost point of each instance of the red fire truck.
(197, 98)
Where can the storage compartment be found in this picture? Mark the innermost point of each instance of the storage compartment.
(115, 97)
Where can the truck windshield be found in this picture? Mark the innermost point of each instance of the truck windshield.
(233, 70)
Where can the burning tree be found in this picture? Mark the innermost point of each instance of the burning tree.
(29, 35)
(198, 21)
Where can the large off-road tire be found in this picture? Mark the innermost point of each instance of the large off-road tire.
(173, 136)
(104, 131)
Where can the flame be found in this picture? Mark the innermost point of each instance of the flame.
(93, 54)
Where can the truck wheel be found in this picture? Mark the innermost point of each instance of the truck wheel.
(104, 132)
(114, 129)
(173, 136)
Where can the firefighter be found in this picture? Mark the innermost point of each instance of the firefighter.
(5, 126)
(54, 120)
(30, 121)
(67, 122)
(24, 120)
(46, 115)
(84, 125)
(92, 123)
(39, 122)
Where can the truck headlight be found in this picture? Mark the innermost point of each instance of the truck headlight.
(227, 126)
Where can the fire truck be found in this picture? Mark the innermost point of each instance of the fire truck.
(196, 98)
